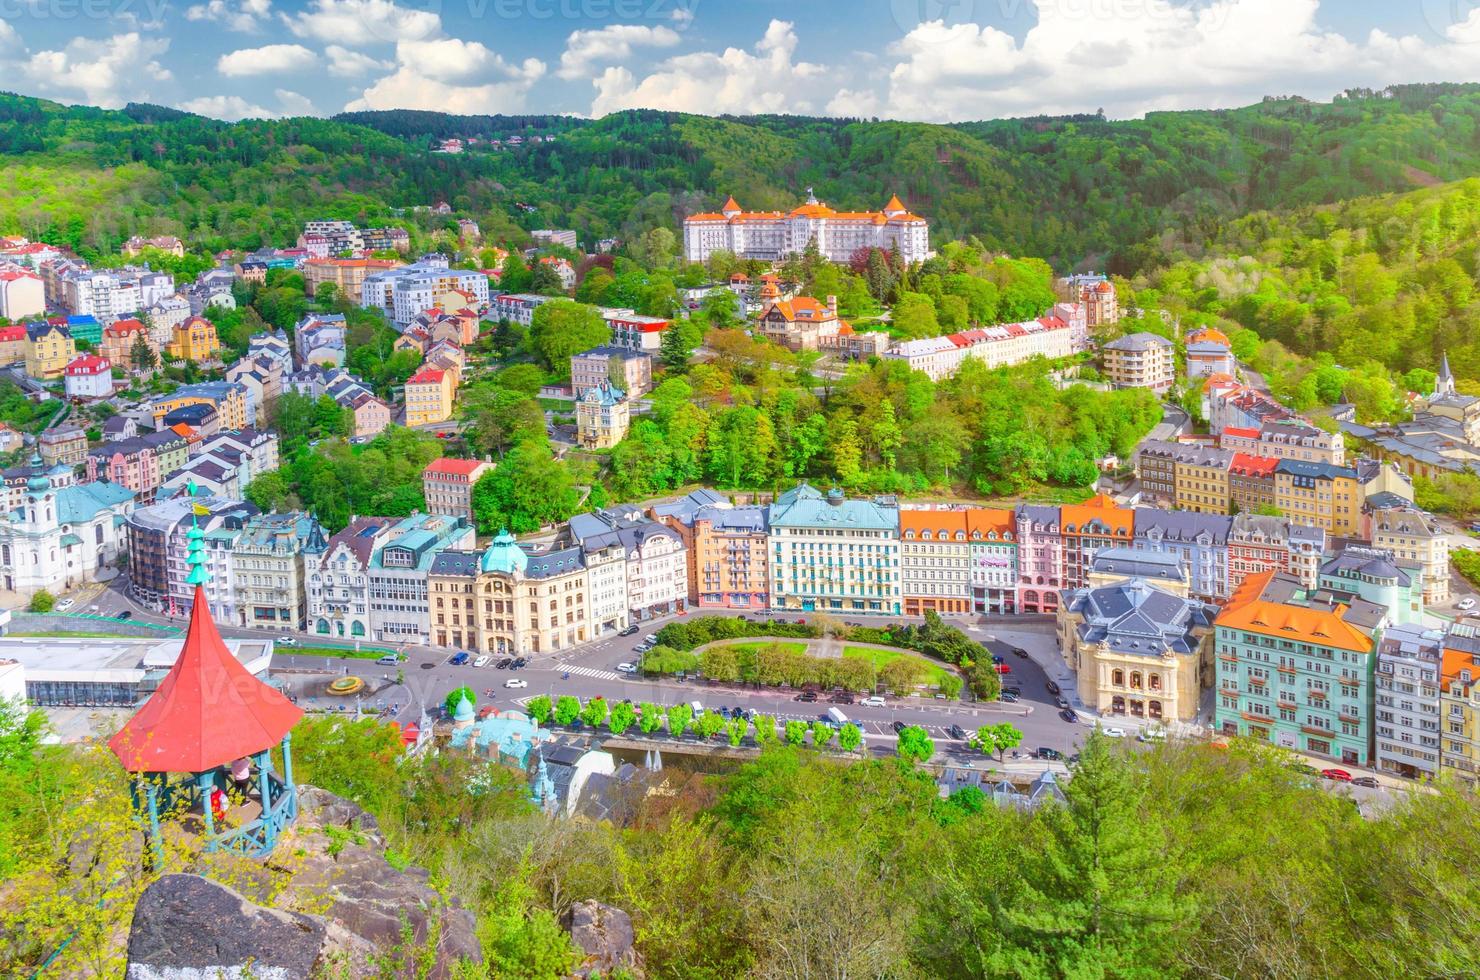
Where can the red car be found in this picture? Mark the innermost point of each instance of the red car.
(1002, 668)
(1340, 775)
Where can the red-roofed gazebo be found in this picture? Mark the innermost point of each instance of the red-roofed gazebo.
(212, 719)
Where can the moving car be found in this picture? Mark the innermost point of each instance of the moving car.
(1052, 688)
(1068, 715)
(1468, 602)
(1113, 732)
(389, 660)
(957, 732)
(1047, 753)
(629, 631)
(125, 615)
(1338, 775)
(482, 661)
(64, 603)
(516, 682)
(458, 659)
(286, 641)
(1366, 782)
(873, 701)
(1020, 652)
(625, 668)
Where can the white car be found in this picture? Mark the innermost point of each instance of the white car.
(64, 604)
(626, 668)
(1113, 732)
(1468, 602)
(872, 702)
(514, 683)
(481, 662)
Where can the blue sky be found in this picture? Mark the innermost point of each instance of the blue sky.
(936, 60)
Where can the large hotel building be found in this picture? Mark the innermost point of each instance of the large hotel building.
(770, 235)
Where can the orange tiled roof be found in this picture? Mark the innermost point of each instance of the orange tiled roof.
(1100, 507)
(895, 204)
(1248, 610)
(990, 520)
(940, 523)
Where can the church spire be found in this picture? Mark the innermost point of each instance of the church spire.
(1444, 384)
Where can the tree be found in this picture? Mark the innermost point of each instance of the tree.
(986, 683)
(561, 328)
(528, 489)
(567, 708)
(709, 724)
(914, 316)
(679, 716)
(539, 708)
(674, 350)
(849, 737)
(42, 602)
(822, 733)
(141, 355)
(915, 744)
(455, 696)
(796, 732)
(623, 716)
(721, 308)
(595, 712)
(765, 728)
(736, 729)
(996, 738)
(651, 718)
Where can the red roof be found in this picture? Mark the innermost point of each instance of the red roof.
(427, 376)
(122, 328)
(89, 364)
(9, 334)
(209, 709)
(1246, 465)
(454, 467)
(1239, 433)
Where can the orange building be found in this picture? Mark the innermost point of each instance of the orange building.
(1088, 529)
(935, 560)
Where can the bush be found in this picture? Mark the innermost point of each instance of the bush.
(1467, 561)
(42, 602)
(539, 708)
(667, 660)
(566, 709)
(698, 631)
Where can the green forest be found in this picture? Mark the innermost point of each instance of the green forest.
(1184, 861)
(1073, 190)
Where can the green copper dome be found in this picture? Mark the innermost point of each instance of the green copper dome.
(464, 709)
(504, 555)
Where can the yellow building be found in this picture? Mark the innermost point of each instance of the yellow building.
(1201, 480)
(49, 349)
(508, 601)
(1319, 494)
(429, 396)
(1459, 704)
(227, 397)
(194, 340)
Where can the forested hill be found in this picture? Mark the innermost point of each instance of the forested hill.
(1073, 190)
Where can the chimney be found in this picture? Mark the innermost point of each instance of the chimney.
(832, 305)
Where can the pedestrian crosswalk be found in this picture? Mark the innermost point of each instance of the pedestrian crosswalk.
(603, 675)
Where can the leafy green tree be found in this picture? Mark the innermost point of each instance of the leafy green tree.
(561, 328)
(527, 490)
(623, 717)
(651, 718)
(996, 738)
(796, 732)
(594, 713)
(765, 728)
(914, 316)
(709, 724)
(42, 601)
(735, 730)
(822, 733)
(849, 737)
(915, 744)
(455, 696)
(679, 716)
(539, 708)
(567, 708)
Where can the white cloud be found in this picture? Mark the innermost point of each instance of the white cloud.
(452, 75)
(344, 63)
(227, 107)
(243, 15)
(8, 34)
(1133, 56)
(586, 49)
(293, 104)
(736, 80)
(266, 60)
(362, 22)
(107, 72)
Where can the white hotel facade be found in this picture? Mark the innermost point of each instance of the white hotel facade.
(769, 235)
(1061, 333)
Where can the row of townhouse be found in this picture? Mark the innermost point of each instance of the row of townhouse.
(405, 292)
(1062, 332)
(630, 330)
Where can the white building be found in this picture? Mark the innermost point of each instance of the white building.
(1060, 333)
(111, 293)
(399, 610)
(89, 376)
(339, 586)
(57, 538)
(407, 291)
(517, 307)
(656, 562)
(164, 316)
(319, 339)
(632, 331)
(770, 235)
(1407, 699)
(555, 236)
(22, 293)
(225, 464)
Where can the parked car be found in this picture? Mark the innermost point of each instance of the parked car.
(642, 648)
(1020, 652)
(516, 683)
(1152, 735)
(841, 697)
(458, 659)
(64, 603)
(1002, 668)
(1007, 697)
(807, 696)
(898, 727)
(651, 639)
(625, 668)
(1337, 775)
(503, 664)
(997, 658)
(872, 701)
(389, 660)
(1068, 715)
(1046, 753)
(1468, 602)
(482, 661)
(1366, 782)
(1013, 690)
(519, 663)
(1052, 688)
(1113, 732)
(957, 732)
(629, 631)
(1061, 702)
(1304, 768)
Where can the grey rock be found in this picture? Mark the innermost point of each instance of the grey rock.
(605, 938)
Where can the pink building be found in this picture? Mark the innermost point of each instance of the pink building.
(1040, 558)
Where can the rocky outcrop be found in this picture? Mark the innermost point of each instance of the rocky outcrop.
(187, 927)
(342, 904)
(605, 938)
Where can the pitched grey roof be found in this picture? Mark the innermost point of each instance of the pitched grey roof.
(1138, 342)
(1182, 526)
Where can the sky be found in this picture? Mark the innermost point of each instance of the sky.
(927, 60)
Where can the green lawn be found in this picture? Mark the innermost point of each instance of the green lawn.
(757, 647)
(347, 653)
(934, 671)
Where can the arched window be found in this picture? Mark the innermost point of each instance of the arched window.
(1117, 677)
(1154, 681)
(1135, 680)
(357, 628)
(339, 628)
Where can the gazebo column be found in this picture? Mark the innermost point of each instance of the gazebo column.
(151, 803)
(288, 759)
(206, 782)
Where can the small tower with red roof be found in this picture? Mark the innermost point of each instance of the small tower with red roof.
(212, 725)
